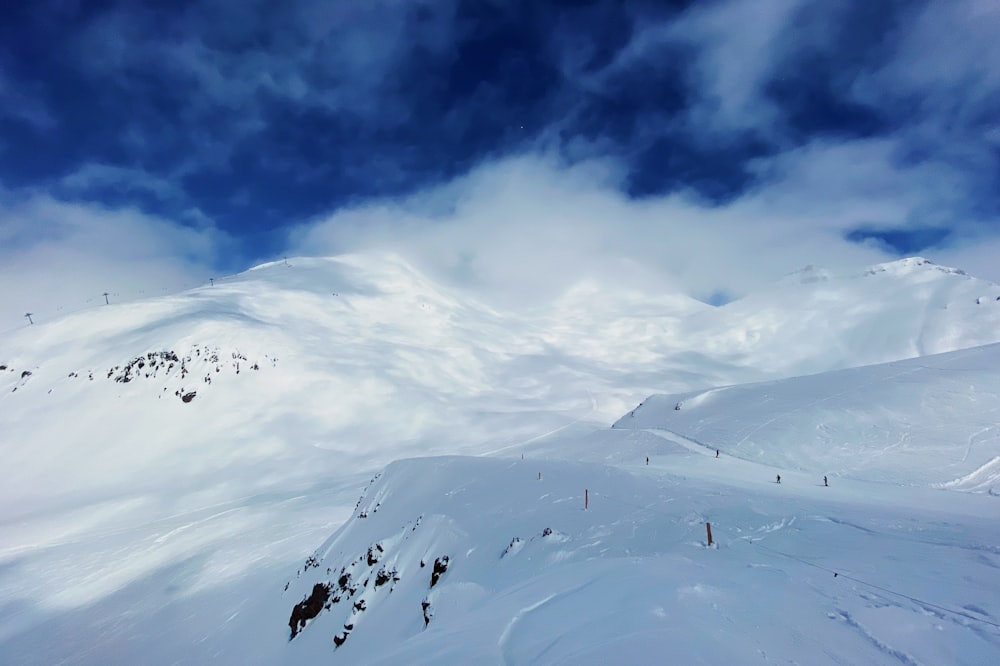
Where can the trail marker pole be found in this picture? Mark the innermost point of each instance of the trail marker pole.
(106, 298)
(539, 476)
(586, 498)
(708, 529)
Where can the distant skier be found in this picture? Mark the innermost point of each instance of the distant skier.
(717, 453)
(779, 479)
(647, 460)
(824, 481)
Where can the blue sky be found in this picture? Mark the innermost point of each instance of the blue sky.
(712, 146)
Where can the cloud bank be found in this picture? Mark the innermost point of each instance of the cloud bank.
(511, 147)
(58, 257)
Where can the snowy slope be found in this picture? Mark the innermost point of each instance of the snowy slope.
(817, 320)
(132, 518)
(363, 359)
(928, 420)
(532, 577)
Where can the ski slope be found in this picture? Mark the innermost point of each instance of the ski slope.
(153, 513)
(930, 420)
(533, 577)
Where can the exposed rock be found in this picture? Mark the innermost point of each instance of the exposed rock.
(188, 397)
(308, 608)
(383, 576)
(440, 566)
(513, 544)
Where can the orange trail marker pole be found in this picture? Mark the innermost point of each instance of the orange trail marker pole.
(708, 529)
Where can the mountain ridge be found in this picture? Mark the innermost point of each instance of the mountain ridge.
(228, 429)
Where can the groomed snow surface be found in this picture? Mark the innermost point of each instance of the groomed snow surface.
(141, 526)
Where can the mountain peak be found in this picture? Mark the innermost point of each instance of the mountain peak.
(909, 265)
(812, 274)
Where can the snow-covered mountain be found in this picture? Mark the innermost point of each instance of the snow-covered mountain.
(364, 360)
(169, 461)
(604, 555)
(816, 320)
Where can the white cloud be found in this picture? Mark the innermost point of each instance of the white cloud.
(737, 43)
(947, 58)
(977, 256)
(862, 181)
(57, 257)
(523, 230)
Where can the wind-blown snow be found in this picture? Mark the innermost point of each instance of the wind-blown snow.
(153, 513)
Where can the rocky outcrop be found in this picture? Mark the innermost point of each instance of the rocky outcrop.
(308, 608)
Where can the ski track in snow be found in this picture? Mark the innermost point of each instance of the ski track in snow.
(897, 655)
(505, 636)
(819, 401)
(972, 440)
(550, 433)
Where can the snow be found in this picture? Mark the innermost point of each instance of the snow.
(631, 576)
(928, 420)
(139, 528)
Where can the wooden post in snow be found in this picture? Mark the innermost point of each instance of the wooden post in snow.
(586, 498)
(708, 529)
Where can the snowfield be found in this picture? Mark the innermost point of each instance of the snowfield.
(931, 420)
(181, 473)
(532, 577)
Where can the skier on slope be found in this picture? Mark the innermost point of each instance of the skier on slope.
(779, 479)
